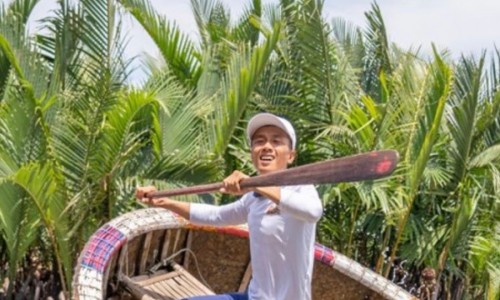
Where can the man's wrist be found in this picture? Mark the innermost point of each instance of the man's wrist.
(165, 203)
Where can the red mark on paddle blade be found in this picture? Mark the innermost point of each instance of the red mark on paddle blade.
(383, 167)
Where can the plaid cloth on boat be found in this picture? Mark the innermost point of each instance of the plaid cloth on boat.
(324, 254)
(100, 248)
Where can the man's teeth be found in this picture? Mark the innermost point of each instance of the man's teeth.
(266, 157)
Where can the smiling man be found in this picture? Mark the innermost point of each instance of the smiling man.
(281, 220)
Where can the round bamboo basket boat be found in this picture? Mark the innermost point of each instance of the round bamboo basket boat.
(154, 254)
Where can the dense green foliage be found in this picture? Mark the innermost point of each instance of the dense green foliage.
(76, 138)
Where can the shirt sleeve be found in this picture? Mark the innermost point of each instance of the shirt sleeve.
(230, 214)
(302, 202)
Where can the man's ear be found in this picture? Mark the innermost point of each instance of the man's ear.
(291, 156)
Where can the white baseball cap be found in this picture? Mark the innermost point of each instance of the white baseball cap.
(267, 119)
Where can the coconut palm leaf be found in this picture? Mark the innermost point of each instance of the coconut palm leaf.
(175, 47)
(22, 9)
(202, 11)
(422, 136)
(116, 150)
(4, 73)
(24, 64)
(462, 119)
(213, 20)
(177, 142)
(59, 46)
(488, 122)
(350, 39)
(489, 156)
(377, 58)
(244, 72)
(428, 129)
(390, 124)
(466, 188)
(39, 184)
(485, 259)
(23, 133)
(103, 44)
(24, 115)
(311, 80)
(493, 288)
(18, 235)
(317, 61)
(27, 131)
(244, 30)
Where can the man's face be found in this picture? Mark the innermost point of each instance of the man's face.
(271, 149)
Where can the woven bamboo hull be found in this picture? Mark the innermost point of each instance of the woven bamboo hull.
(135, 242)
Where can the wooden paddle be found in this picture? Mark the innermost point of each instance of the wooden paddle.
(359, 167)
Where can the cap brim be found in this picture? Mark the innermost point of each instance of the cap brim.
(267, 119)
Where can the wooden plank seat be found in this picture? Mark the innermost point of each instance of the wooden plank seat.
(172, 285)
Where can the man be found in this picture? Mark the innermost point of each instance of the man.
(281, 220)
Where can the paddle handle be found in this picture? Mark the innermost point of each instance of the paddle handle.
(359, 167)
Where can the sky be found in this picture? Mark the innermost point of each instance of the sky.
(460, 26)
(464, 26)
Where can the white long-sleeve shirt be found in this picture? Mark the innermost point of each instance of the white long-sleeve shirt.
(281, 240)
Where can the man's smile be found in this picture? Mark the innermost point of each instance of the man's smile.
(266, 157)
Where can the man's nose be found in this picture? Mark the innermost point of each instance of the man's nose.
(267, 145)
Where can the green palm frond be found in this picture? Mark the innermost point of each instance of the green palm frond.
(201, 12)
(27, 66)
(175, 47)
(349, 37)
(71, 141)
(22, 9)
(58, 43)
(176, 173)
(423, 239)
(178, 140)
(213, 68)
(485, 260)
(97, 32)
(429, 121)
(362, 123)
(317, 59)
(462, 117)
(213, 20)
(420, 139)
(377, 58)
(102, 43)
(489, 119)
(180, 115)
(462, 220)
(312, 80)
(489, 156)
(4, 74)
(20, 133)
(19, 223)
(400, 97)
(9, 144)
(488, 122)
(495, 172)
(377, 196)
(244, 72)
(244, 30)
(123, 134)
(493, 287)
(39, 183)
(435, 175)
(493, 75)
